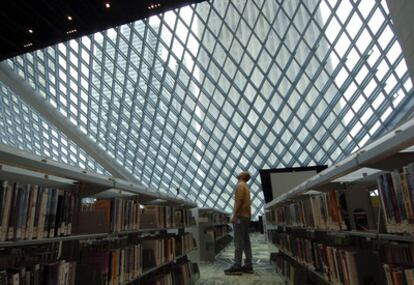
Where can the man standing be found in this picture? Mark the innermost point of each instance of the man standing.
(241, 222)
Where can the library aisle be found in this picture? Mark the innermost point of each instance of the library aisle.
(213, 273)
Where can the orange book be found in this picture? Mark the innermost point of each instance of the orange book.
(114, 267)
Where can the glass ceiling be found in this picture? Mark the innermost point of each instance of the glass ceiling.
(189, 98)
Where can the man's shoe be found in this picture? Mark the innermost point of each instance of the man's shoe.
(233, 271)
(247, 269)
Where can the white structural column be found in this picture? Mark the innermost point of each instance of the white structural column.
(402, 12)
(26, 92)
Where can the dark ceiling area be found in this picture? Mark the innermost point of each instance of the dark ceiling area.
(27, 25)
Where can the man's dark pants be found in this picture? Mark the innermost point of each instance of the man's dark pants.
(242, 242)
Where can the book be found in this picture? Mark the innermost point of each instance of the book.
(56, 273)
(110, 215)
(397, 199)
(31, 212)
(319, 211)
(42, 213)
(22, 212)
(52, 214)
(152, 217)
(13, 213)
(6, 210)
(337, 264)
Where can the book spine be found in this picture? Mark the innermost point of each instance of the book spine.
(394, 198)
(399, 193)
(63, 214)
(37, 212)
(32, 212)
(71, 211)
(385, 199)
(119, 215)
(46, 216)
(65, 219)
(23, 212)
(19, 218)
(6, 215)
(408, 172)
(112, 222)
(42, 214)
(3, 188)
(59, 214)
(53, 213)
(406, 193)
(13, 213)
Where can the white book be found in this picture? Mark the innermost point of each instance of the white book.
(15, 279)
(66, 275)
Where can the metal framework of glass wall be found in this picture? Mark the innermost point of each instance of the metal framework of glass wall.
(187, 99)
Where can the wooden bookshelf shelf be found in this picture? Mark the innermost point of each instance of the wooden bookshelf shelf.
(346, 234)
(307, 267)
(83, 237)
(149, 271)
(222, 237)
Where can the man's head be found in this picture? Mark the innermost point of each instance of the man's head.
(243, 176)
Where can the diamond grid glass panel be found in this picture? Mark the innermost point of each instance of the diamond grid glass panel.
(25, 129)
(189, 98)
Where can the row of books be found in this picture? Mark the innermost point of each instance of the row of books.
(57, 273)
(398, 253)
(30, 212)
(286, 268)
(155, 216)
(322, 211)
(221, 231)
(338, 265)
(157, 251)
(214, 217)
(116, 215)
(114, 266)
(396, 275)
(180, 274)
(397, 197)
(187, 243)
(119, 261)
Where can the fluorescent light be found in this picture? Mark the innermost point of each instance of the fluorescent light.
(71, 31)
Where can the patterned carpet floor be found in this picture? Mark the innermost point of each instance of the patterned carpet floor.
(264, 272)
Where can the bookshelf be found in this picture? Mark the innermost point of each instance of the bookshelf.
(214, 232)
(114, 214)
(362, 204)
